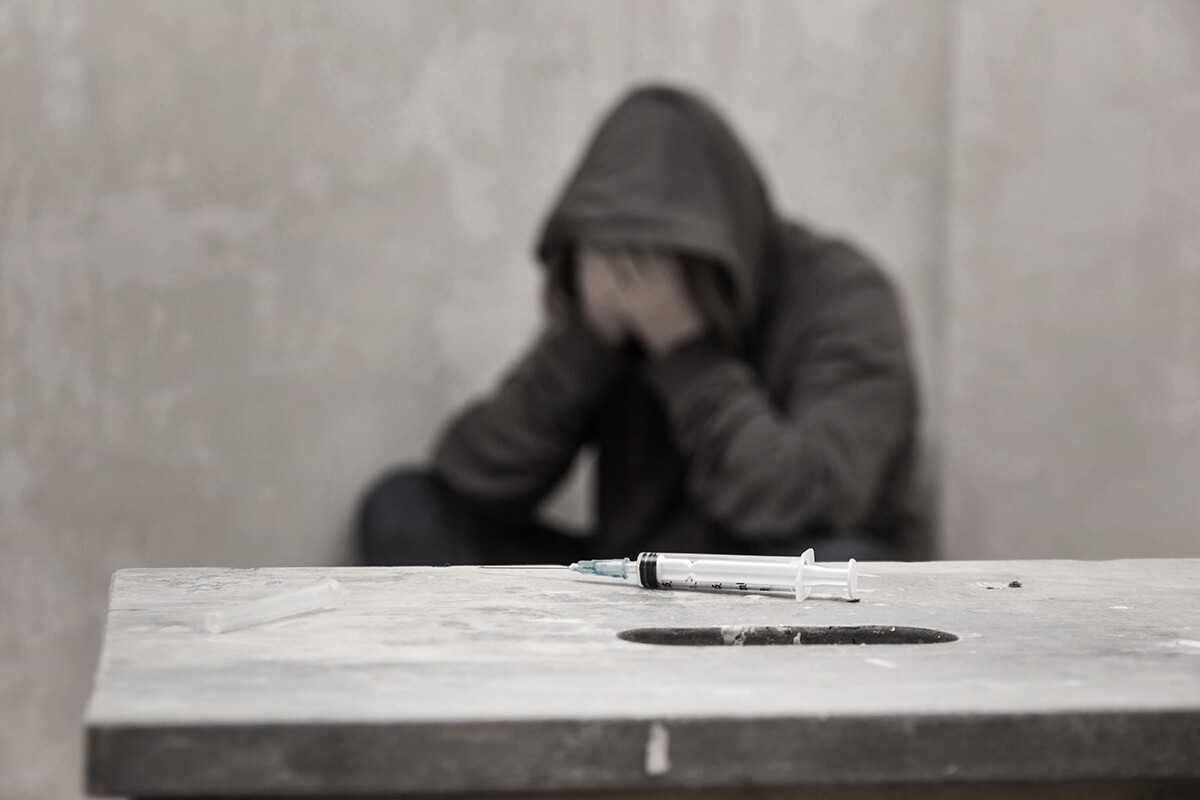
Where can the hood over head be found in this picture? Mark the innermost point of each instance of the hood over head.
(664, 170)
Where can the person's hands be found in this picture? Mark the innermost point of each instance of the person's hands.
(600, 296)
(639, 292)
(653, 298)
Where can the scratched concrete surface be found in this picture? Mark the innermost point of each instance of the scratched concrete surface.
(473, 678)
(251, 252)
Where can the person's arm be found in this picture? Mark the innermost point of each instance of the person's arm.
(765, 473)
(507, 452)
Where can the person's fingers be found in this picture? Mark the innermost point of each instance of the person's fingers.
(597, 292)
(609, 275)
(657, 273)
(651, 270)
(639, 273)
(624, 268)
(593, 276)
(589, 286)
(601, 303)
(669, 266)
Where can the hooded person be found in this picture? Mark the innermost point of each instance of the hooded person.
(745, 382)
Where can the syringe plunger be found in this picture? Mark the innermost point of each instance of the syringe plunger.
(810, 575)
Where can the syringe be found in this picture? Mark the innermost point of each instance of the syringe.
(797, 574)
(327, 593)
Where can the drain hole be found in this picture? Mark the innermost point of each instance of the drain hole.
(787, 634)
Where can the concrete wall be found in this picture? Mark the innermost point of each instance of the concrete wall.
(1072, 424)
(252, 252)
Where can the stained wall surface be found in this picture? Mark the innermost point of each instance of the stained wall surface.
(252, 253)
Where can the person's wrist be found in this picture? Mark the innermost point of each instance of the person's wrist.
(590, 343)
(677, 372)
(607, 337)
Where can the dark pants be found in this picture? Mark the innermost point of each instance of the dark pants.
(410, 517)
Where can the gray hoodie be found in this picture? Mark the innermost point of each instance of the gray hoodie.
(804, 429)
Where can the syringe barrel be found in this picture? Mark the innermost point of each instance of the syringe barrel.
(327, 593)
(722, 572)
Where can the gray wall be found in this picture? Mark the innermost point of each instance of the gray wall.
(251, 253)
(1072, 360)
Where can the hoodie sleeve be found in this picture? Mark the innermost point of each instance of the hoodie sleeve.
(765, 472)
(508, 451)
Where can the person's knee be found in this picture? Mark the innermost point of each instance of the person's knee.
(403, 518)
(392, 495)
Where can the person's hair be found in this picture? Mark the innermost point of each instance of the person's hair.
(708, 283)
(560, 297)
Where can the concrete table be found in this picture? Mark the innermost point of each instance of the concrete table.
(1083, 675)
